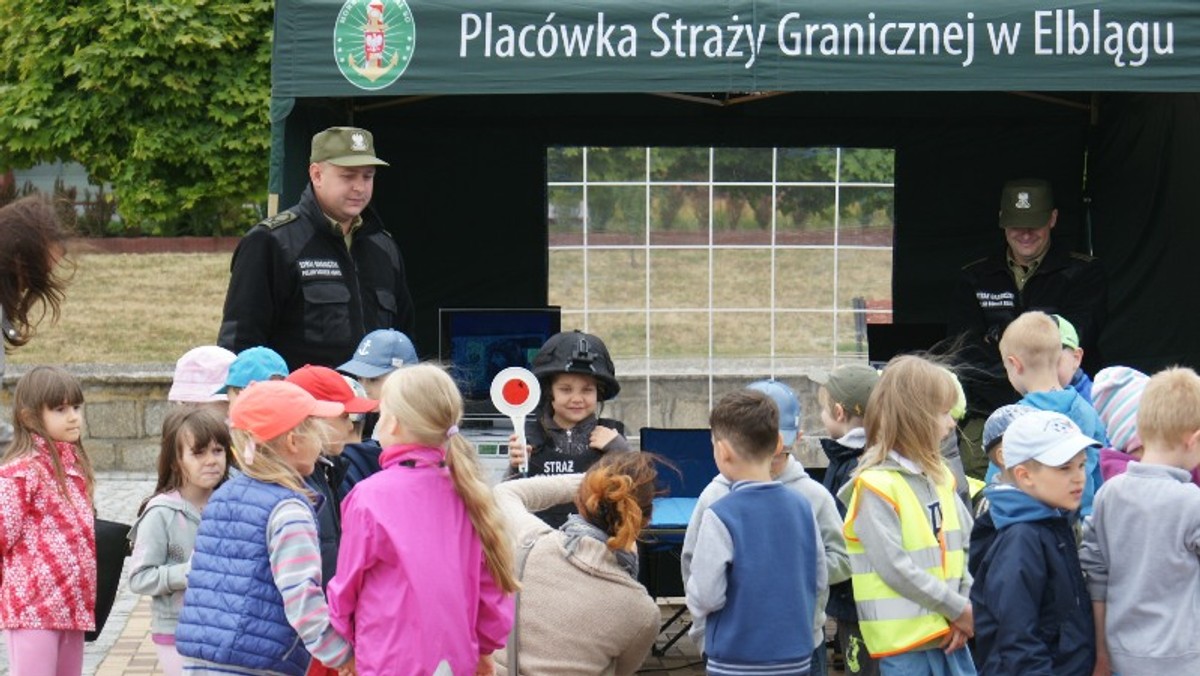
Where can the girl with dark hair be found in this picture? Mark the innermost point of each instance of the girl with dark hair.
(585, 573)
(193, 462)
(32, 243)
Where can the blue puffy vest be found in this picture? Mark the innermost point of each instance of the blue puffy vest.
(232, 610)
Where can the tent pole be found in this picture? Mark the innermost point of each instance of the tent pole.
(392, 103)
(1054, 99)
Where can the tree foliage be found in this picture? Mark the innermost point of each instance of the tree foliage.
(167, 101)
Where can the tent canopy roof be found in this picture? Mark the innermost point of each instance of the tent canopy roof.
(418, 47)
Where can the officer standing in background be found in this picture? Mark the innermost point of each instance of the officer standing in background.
(1031, 273)
(311, 281)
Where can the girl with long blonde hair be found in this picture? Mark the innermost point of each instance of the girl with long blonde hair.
(424, 574)
(906, 528)
(254, 603)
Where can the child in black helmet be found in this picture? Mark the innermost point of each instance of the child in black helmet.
(565, 436)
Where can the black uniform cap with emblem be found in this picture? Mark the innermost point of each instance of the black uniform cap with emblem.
(576, 352)
(1026, 203)
(345, 147)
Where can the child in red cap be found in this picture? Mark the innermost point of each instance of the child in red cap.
(325, 384)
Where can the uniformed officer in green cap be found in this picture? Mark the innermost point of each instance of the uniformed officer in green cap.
(1027, 215)
(1031, 273)
(311, 281)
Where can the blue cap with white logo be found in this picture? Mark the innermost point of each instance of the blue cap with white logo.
(380, 353)
(789, 407)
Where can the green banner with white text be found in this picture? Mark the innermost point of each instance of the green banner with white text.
(411, 47)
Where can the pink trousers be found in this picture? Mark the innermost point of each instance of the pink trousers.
(169, 660)
(43, 652)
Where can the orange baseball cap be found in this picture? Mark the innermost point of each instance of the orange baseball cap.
(326, 384)
(271, 408)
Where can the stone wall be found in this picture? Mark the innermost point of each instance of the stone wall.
(123, 410)
(125, 406)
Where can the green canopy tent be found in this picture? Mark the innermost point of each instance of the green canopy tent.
(464, 98)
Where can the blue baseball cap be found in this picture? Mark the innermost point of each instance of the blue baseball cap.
(998, 422)
(254, 365)
(789, 407)
(381, 352)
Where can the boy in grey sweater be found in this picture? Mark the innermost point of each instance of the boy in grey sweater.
(1141, 550)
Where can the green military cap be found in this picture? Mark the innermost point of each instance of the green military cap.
(1070, 337)
(1026, 203)
(345, 147)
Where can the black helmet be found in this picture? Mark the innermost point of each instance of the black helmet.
(576, 352)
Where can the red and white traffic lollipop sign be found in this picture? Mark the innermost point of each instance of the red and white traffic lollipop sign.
(515, 393)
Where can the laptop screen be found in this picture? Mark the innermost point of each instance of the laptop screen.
(478, 343)
(885, 341)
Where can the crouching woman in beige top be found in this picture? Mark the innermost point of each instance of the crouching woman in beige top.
(581, 609)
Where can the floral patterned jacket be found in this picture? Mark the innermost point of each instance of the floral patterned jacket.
(47, 543)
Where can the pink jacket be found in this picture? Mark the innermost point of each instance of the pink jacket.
(1113, 462)
(47, 544)
(412, 587)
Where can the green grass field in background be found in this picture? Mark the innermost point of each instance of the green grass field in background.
(151, 308)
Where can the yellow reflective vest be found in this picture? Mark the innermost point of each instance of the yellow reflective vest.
(890, 623)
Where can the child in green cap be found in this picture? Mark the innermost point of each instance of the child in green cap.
(1069, 371)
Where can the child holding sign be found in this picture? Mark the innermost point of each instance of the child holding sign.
(565, 435)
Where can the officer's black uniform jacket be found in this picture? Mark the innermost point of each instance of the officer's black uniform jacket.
(296, 288)
(986, 300)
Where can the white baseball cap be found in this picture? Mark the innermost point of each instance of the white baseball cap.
(1048, 437)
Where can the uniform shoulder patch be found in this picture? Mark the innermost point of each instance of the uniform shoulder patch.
(1082, 257)
(281, 218)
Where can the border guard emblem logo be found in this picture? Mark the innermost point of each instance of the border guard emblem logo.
(373, 41)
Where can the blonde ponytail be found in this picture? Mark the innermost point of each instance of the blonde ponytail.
(481, 508)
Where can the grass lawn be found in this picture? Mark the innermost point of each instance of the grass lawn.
(151, 308)
(134, 308)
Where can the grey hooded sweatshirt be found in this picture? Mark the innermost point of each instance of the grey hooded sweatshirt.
(163, 539)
